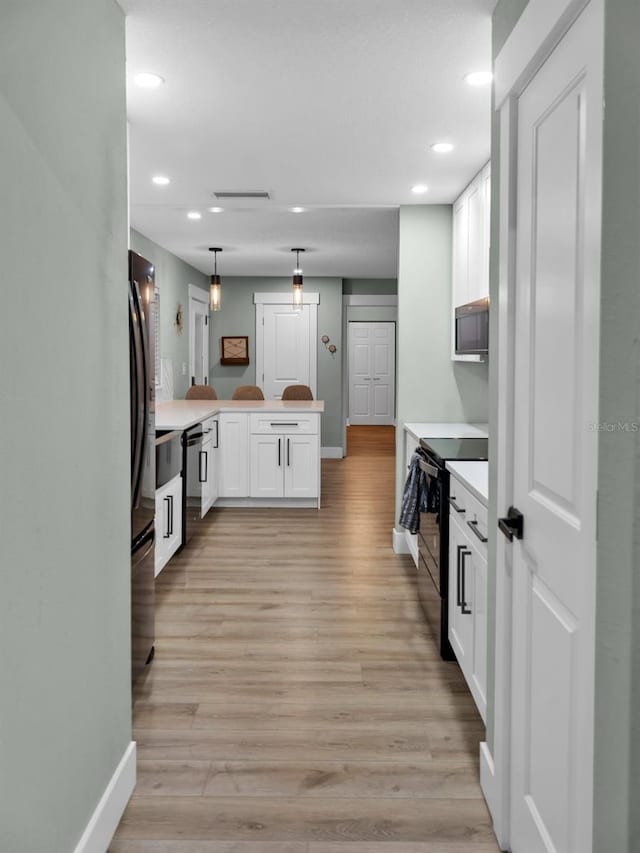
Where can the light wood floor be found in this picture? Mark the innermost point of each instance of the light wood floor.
(297, 703)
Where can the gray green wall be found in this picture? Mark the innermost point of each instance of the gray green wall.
(369, 286)
(431, 387)
(238, 317)
(173, 277)
(65, 700)
(617, 733)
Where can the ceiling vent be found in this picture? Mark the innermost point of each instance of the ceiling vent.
(241, 195)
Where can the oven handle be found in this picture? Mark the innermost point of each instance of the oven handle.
(428, 469)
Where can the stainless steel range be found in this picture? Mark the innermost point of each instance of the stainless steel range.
(433, 535)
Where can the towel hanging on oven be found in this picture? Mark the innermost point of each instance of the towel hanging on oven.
(415, 498)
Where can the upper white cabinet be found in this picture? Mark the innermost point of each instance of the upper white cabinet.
(470, 261)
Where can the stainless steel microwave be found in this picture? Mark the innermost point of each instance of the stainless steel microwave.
(472, 328)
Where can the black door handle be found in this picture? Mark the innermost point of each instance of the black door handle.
(452, 502)
(171, 515)
(513, 524)
(206, 466)
(217, 434)
(288, 452)
(279, 452)
(463, 595)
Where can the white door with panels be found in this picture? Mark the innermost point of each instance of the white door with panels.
(198, 336)
(286, 343)
(555, 146)
(372, 355)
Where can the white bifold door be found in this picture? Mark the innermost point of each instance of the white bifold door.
(557, 147)
(372, 355)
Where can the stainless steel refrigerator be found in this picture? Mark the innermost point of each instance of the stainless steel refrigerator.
(142, 389)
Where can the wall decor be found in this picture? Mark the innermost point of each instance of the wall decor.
(235, 350)
(179, 319)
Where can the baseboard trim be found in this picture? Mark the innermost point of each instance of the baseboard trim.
(331, 453)
(270, 503)
(106, 817)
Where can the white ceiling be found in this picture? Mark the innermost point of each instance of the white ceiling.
(327, 104)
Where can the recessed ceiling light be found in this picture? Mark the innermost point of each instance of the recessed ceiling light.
(479, 78)
(146, 80)
(297, 210)
(419, 189)
(193, 214)
(161, 180)
(442, 147)
(216, 209)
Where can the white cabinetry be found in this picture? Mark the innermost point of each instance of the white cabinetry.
(470, 261)
(168, 521)
(233, 454)
(284, 457)
(468, 589)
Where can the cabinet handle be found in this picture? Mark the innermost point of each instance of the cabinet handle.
(217, 444)
(279, 453)
(284, 423)
(206, 466)
(376, 379)
(458, 581)
(288, 452)
(474, 526)
(463, 596)
(170, 515)
(167, 517)
(452, 502)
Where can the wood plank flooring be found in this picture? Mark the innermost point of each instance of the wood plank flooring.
(297, 702)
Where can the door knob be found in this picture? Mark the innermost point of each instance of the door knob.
(513, 524)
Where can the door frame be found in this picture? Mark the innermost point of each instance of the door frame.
(285, 298)
(539, 30)
(350, 323)
(198, 294)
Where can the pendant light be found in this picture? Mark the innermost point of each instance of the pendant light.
(297, 280)
(214, 288)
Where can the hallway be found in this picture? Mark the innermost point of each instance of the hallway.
(297, 703)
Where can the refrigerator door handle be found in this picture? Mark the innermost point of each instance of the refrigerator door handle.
(138, 427)
(144, 392)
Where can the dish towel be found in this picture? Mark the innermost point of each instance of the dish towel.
(415, 498)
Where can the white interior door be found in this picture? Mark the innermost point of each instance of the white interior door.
(286, 346)
(372, 351)
(198, 336)
(554, 456)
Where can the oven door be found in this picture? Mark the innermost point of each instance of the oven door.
(429, 545)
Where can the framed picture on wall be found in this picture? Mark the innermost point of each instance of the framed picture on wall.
(235, 350)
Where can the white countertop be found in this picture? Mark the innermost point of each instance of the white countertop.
(473, 475)
(419, 431)
(182, 414)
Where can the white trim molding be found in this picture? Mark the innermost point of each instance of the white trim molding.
(331, 453)
(106, 817)
(284, 297)
(198, 293)
(539, 29)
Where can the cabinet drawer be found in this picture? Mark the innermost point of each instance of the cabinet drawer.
(470, 514)
(283, 423)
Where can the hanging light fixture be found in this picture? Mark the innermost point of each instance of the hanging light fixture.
(297, 280)
(214, 287)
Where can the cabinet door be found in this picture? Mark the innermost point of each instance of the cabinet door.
(266, 466)
(460, 269)
(233, 455)
(460, 598)
(168, 522)
(477, 253)
(207, 475)
(486, 200)
(301, 466)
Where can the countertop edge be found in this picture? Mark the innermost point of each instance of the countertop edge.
(222, 407)
(446, 430)
(453, 467)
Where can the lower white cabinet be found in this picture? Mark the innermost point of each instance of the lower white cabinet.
(168, 522)
(233, 455)
(283, 466)
(468, 605)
